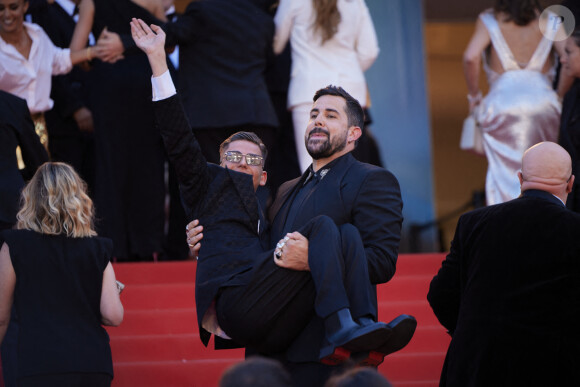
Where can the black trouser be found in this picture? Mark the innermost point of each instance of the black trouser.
(272, 309)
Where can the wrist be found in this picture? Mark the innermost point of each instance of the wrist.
(474, 99)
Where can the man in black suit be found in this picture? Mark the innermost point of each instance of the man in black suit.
(509, 290)
(16, 130)
(240, 291)
(346, 190)
(224, 51)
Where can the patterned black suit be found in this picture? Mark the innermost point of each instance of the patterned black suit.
(509, 294)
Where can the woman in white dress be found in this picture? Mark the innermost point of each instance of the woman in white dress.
(521, 108)
(333, 42)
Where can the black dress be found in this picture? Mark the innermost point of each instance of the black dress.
(130, 158)
(57, 300)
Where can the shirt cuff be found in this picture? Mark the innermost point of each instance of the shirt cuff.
(163, 86)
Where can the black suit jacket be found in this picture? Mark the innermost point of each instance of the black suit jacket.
(16, 129)
(224, 47)
(224, 201)
(509, 294)
(364, 195)
(570, 139)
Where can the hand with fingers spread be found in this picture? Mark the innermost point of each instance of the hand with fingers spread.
(292, 252)
(151, 40)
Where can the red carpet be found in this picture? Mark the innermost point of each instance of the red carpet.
(158, 343)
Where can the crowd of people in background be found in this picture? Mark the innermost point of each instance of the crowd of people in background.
(77, 117)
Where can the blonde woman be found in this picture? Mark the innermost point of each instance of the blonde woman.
(57, 273)
(333, 42)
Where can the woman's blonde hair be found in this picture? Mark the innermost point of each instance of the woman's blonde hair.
(55, 202)
(327, 18)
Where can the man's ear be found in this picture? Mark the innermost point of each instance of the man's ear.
(263, 178)
(521, 177)
(354, 133)
(570, 184)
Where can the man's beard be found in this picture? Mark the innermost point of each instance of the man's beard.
(321, 148)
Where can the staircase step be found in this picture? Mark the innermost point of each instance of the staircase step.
(167, 348)
(155, 272)
(186, 373)
(158, 296)
(405, 288)
(417, 264)
(421, 310)
(155, 322)
(406, 367)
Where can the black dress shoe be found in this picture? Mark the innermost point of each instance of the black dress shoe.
(342, 332)
(403, 328)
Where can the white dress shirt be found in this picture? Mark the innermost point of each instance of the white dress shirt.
(30, 78)
(340, 61)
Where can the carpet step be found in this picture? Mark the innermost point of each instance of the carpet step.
(156, 322)
(159, 296)
(421, 310)
(405, 288)
(155, 273)
(406, 367)
(188, 346)
(412, 369)
(185, 373)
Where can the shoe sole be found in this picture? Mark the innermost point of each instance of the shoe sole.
(403, 329)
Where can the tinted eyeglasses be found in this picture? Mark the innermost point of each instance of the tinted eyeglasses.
(236, 157)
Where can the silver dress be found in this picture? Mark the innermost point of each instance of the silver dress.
(520, 110)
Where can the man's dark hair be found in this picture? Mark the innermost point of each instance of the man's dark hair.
(244, 136)
(256, 371)
(354, 111)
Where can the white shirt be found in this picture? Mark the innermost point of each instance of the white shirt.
(340, 61)
(30, 78)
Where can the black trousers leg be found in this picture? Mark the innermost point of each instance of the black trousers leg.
(277, 303)
(361, 294)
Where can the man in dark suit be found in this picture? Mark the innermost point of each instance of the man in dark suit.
(224, 49)
(240, 291)
(348, 191)
(509, 290)
(16, 130)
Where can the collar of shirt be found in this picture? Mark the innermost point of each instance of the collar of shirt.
(67, 5)
(33, 31)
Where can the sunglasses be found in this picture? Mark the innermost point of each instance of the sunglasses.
(236, 158)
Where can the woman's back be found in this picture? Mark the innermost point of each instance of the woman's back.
(57, 302)
(522, 41)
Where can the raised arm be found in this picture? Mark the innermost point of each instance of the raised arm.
(182, 148)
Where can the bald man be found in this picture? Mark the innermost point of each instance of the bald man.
(509, 290)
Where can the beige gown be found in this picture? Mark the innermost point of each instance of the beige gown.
(520, 110)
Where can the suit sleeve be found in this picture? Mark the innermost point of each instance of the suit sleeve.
(378, 217)
(187, 28)
(33, 153)
(183, 151)
(445, 290)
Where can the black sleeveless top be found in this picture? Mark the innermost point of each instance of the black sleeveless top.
(57, 300)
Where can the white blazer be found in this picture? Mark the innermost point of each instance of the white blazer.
(340, 61)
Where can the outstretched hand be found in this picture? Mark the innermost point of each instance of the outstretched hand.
(149, 39)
